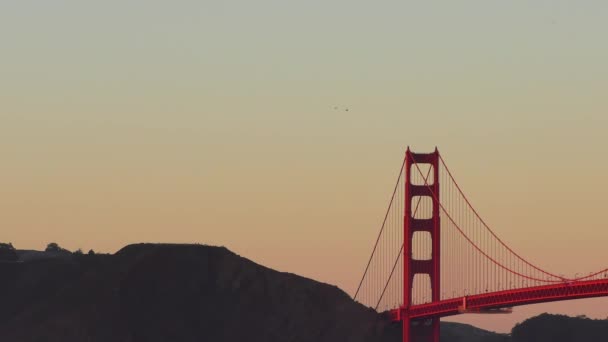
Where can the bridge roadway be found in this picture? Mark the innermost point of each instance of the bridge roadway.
(506, 299)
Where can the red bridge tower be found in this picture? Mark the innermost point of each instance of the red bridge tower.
(426, 330)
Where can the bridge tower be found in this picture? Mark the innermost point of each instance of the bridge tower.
(424, 330)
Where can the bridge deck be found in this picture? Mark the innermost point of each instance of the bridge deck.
(509, 298)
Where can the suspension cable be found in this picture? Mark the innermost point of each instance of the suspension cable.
(381, 230)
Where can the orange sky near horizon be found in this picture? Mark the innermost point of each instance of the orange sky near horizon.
(226, 124)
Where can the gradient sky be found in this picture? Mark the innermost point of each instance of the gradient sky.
(214, 122)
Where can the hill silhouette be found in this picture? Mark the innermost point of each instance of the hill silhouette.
(560, 328)
(149, 292)
(163, 292)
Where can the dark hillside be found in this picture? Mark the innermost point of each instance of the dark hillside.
(172, 293)
(558, 328)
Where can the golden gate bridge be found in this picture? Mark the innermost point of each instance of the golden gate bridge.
(435, 257)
